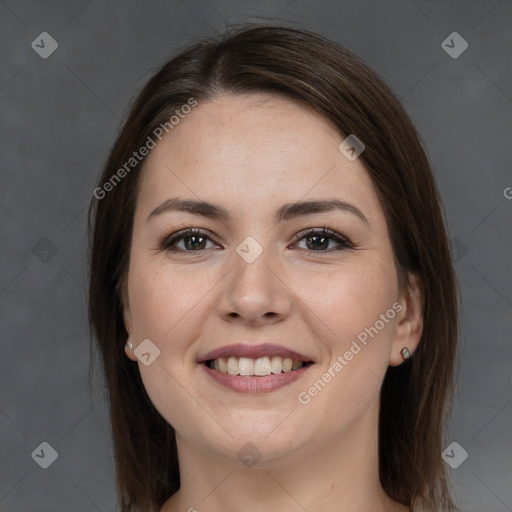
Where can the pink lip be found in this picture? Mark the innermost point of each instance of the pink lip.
(244, 384)
(253, 352)
(255, 384)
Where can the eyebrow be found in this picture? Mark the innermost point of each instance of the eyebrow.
(286, 212)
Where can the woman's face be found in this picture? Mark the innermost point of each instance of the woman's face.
(252, 276)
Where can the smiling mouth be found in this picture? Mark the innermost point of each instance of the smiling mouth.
(260, 367)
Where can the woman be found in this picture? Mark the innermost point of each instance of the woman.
(271, 287)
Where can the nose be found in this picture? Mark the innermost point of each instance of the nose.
(254, 293)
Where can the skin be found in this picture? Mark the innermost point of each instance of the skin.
(251, 154)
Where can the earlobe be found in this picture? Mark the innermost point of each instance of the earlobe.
(409, 325)
(129, 346)
(129, 350)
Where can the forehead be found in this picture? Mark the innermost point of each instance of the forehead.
(255, 145)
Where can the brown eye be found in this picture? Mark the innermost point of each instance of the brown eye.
(323, 240)
(191, 240)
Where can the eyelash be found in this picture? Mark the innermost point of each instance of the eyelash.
(168, 243)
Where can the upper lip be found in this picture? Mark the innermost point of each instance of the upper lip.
(253, 352)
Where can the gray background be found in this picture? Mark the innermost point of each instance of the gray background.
(59, 117)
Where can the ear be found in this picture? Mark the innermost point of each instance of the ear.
(409, 320)
(125, 303)
(127, 318)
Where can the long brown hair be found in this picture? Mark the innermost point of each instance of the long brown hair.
(329, 78)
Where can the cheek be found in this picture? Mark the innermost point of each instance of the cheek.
(354, 312)
(166, 308)
(162, 301)
(349, 299)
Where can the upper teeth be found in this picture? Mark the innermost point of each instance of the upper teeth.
(260, 367)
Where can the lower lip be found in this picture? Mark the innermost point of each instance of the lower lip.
(264, 384)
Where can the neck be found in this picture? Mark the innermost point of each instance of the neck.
(338, 473)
